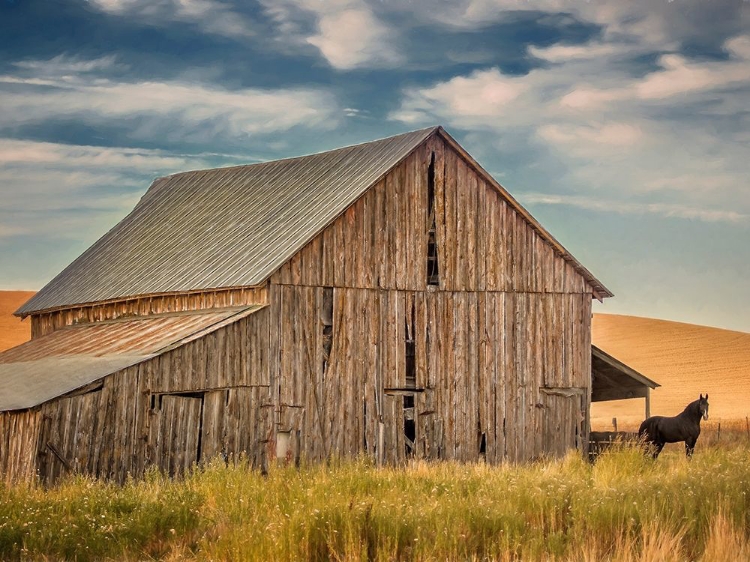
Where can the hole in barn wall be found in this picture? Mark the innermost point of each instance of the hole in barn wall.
(410, 349)
(410, 429)
(433, 270)
(483, 444)
(326, 322)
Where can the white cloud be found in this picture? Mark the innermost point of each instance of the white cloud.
(347, 32)
(674, 133)
(565, 53)
(212, 16)
(184, 109)
(479, 99)
(64, 64)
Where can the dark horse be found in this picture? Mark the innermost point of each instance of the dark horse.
(658, 430)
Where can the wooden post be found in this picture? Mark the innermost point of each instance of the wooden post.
(381, 443)
(648, 403)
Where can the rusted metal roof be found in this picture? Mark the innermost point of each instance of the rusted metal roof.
(74, 356)
(232, 227)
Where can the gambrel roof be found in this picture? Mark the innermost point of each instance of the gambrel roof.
(232, 227)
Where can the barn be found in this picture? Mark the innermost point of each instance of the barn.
(390, 299)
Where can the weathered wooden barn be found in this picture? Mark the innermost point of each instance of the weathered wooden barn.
(388, 299)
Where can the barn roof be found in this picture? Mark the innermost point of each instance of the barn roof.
(231, 227)
(75, 356)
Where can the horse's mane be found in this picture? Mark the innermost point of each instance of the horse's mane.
(693, 407)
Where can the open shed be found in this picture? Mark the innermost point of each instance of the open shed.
(611, 379)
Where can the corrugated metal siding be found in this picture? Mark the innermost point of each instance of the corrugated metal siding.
(224, 227)
(71, 357)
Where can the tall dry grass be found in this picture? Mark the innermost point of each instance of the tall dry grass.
(624, 507)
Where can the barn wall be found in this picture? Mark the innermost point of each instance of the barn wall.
(502, 372)
(482, 242)
(45, 323)
(501, 337)
(206, 398)
(19, 432)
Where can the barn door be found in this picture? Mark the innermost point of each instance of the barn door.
(179, 435)
(562, 424)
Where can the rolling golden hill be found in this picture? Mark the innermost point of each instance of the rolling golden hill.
(685, 359)
(12, 331)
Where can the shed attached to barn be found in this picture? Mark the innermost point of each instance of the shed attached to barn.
(388, 299)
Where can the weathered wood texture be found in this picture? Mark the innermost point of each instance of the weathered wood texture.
(45, 323)
(206, 398)
(18, 437)
(482, 242)
(498, 375)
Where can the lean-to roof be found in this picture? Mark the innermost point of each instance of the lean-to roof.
(75, 356)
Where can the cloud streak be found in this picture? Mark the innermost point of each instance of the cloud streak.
(674, 210)
(211, 16)
(47, 91)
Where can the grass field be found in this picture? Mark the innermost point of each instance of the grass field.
(12, 330)
(625, 507)
(685, 359)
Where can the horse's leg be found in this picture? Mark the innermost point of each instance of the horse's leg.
(658, 446)
(689, 447)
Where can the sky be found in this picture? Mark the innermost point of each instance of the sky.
(623, 127)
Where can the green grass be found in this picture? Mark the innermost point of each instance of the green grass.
(625, 507)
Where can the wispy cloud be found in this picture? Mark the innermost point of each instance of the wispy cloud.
(183, 109)
(49, 188)
(212, 16)
(674, 210)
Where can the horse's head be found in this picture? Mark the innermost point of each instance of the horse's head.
(703, 405)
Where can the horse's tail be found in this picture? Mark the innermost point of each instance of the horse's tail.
(646, 431)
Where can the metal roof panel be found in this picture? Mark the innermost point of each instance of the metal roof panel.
(74, 356)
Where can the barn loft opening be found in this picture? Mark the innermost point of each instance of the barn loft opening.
(326, 323)
(433, 271)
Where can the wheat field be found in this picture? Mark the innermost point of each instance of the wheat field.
(12, 331)
(685, 359)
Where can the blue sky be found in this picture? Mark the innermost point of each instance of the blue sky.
(624, 127)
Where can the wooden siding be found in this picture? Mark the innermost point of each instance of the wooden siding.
(511, 367)
(18, 436)
(214, 391)
(482, 242)
(44, 323)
